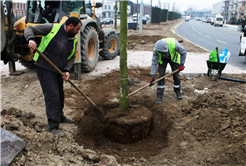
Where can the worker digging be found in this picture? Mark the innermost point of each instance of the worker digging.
(167, 51)
(123, 104)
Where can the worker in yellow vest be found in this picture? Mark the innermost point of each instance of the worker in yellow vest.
(167, 50)
(58, 44)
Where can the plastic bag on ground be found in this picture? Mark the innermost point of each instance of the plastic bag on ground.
(224, 56)
(213, 57)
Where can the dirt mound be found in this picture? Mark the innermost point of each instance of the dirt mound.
(92, 135)
(206, 127)
(151, 33)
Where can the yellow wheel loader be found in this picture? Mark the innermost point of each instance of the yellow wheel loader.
(93, 40)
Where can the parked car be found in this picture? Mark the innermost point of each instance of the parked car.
(209, 20)
(147, 17)
(212, 21)
(219, 21)
(134, 17)
(107, 21)
(204, 20)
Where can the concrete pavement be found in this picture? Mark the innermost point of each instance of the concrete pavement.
(231, 26)
(195, 64)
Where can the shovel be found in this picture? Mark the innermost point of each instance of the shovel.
(153, 82)
(98, 113)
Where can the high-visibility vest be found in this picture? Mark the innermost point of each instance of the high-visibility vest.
(175, 57)
(46, 40)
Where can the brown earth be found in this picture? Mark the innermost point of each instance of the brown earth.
(153, 32)
(207, 127)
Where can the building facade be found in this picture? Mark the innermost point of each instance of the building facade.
(241, 9)
(205, 13)
(108, 9)
(230, 9)
(217, 9)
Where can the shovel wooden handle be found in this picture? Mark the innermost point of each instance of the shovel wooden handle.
(60, 72)
(153, 82)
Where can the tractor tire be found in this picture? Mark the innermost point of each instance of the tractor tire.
(89, 49)
(111, 46)
(27, 64)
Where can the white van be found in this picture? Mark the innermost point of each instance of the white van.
(187, 18)
(218, 21)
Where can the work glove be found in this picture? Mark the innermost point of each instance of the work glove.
(151, 82)
(181, 68)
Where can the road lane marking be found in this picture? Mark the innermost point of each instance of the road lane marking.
(221, 41)
(224, 32)
(175, 26)
(199, 32)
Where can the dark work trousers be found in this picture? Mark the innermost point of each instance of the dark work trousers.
(162, 70)
(46, 12)
(52, 86)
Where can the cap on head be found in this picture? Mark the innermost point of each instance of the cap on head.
(161, 45)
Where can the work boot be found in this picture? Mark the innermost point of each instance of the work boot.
(179, 95)
(158, 100)
(66, 120)
(56, 132)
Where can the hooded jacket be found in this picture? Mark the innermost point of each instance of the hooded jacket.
(162, 47)
(58, 50)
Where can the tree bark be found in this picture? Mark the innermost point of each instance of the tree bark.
(137, 15)
(123, 57)
(150, 11)
(115, 18)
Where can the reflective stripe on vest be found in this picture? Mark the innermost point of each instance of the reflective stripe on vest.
(46, 40)
(175, 57)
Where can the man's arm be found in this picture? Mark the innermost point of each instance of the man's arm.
(183, 53)
(70, 61)
(31, 31)
(154, 64)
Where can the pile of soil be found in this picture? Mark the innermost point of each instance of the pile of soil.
(206, 127)
(151, 33)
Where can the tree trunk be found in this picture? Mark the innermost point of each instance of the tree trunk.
(137, 15)
(123, 57)
(115, 18)
(150, 11)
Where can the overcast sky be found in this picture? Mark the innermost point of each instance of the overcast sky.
(184, 4)
(181, 5)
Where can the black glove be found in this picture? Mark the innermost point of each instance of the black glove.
(151, 82)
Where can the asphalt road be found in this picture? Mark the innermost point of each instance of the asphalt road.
(209, 37)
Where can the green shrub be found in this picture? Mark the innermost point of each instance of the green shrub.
(233, 21)
(239, 22)
(156, 15)
(164, 15)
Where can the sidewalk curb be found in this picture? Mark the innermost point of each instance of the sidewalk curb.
(230, 26)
